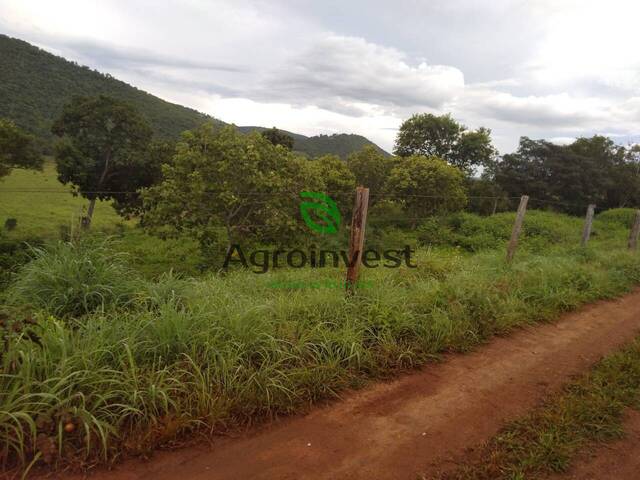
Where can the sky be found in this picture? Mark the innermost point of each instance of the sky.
(554, 69)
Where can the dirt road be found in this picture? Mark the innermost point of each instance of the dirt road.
(419, 423)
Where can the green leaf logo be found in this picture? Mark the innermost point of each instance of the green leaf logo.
(325, 209)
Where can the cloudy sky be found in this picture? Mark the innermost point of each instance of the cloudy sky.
(552, 69)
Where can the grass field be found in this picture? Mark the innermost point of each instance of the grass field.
(46, 210)
(42, 205)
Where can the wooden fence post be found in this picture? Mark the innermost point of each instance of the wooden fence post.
(517, 227)
(635, 232)
(356, 237)
(588, 222)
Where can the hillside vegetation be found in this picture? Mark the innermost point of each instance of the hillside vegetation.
(35, 85)
(341, 144)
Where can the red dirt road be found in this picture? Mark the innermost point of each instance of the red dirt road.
(418, 424)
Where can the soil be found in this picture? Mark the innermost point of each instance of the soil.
(416, 425)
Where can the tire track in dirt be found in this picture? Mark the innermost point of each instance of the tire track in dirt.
(421, 423)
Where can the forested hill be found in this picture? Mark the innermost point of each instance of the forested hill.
(341, 144)
(35, 85)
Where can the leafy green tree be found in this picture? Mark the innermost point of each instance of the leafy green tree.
(145, 172)
(569, 177)
(102, 143)
(338, 180)
(223, 187)
(627, 180)
(429, 186)
(278, 137)
(371, 169)
(485, 196)
(17, 149)
(441, 136)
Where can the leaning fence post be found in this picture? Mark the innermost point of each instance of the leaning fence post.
(356, 237)
(588, 222)
(635, 232)
(517, 227)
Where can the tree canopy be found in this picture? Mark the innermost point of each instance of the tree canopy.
(427, 185)
(103, 149)
(17, 149)
(222, 186)
(442, 136)
(589, 170)
(371, 169)
(278, 137)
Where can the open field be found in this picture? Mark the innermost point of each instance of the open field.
(42, 205)
(47, 211)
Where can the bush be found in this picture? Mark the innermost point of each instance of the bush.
(475, 233)
(622, 217)
(74, 279)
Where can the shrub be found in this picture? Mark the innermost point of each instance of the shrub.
(74, 279)
(622, 217)
(475, 233)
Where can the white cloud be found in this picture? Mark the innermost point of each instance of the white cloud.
(340, 72)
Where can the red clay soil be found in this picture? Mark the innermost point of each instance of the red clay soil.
(618, 460)
(418, 424)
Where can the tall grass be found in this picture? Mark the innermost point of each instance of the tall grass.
(163, 358)
(74, 279)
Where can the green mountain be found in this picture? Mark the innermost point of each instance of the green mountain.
(341, 144)
(35, 85)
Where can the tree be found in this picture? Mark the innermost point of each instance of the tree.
(485, 196)
(103, 141)
(569, 177)
(278, 137)
(371, 169)
(429, 186)
(441, 136)
(338, 180)
(17, 149)
(145, 172)
(223, 186)
(627, 179)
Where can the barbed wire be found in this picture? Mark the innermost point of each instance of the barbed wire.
(281, 193)
(273, 194)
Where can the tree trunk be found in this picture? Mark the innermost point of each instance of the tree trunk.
(86, 220)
